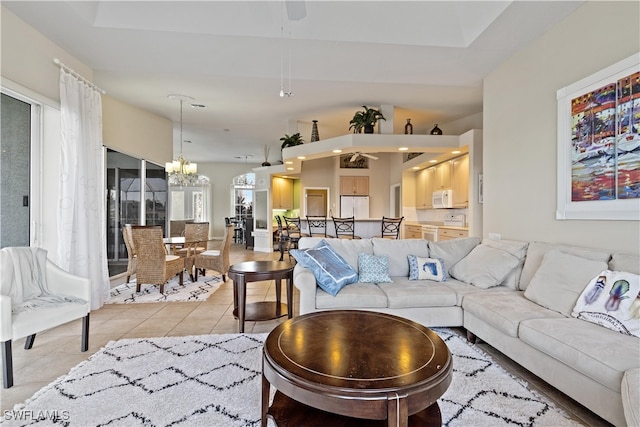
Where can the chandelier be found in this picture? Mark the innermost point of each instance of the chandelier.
(181, 171)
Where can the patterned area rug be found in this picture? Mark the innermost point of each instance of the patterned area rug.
(189, 291)
(215, 380)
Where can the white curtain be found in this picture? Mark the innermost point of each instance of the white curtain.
(81, 228)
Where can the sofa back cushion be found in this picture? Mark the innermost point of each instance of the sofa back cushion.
(537, 250)
(397, 250)
(347, 248)
(625, 262)
(516, 248)
(561, 279)
(452, 251)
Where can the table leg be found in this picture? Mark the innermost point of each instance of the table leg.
(290, 296)
(278, 295)
(398, 411)
(265, 398)
(242, 299)
(281, 248)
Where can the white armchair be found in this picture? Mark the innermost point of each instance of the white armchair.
(37, 319)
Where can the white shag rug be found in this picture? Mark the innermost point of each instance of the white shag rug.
(215, 380)
(189, 291)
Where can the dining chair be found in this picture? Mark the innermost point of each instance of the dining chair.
(317, 226)
(284, 240)
(390, 228)
(216, 258)
(345, 227)
(196, 235)
(154, 265)
(238, 230)
(131, 252)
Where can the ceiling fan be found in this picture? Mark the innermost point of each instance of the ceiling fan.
(358, 153)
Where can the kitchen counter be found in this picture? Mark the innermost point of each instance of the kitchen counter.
(436, 223)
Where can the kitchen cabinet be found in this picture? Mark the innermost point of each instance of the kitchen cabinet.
(412, 231)
(354, 185)
(442, 176)
(282, 193)
(460, 181)
(445, 233)
(424, 188)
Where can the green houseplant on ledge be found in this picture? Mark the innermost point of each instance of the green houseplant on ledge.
(366, 120)
(291, 140)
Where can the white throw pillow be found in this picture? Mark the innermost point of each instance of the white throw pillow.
(452, 251)
(485, 266)
(611, 300)
(560, 280)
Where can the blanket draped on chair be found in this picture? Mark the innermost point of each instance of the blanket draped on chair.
(23, 278)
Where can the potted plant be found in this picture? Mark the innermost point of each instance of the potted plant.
(291, 140)
(365, 120)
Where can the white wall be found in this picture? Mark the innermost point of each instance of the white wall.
(28, 68)
(220, 179)
(520, 127)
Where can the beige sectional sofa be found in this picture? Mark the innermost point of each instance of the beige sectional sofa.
(486, 293)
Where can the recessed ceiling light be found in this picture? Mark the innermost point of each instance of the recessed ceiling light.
(301, 157)
(456, 152)
(288, 162)
(433, 161)
(416, 167)
(337, 151)
(188, 141)
(289, 169)
(198, 106)
(403, 148)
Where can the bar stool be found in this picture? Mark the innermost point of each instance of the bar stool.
(345, 227)
(391, 228)
(317, 226)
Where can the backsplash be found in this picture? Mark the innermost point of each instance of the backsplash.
(432, 215)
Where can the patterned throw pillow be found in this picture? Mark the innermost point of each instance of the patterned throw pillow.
(331, 271)
(373, 269)
(421, 268)
(611, 300)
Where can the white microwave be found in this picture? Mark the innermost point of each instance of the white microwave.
(442, 199)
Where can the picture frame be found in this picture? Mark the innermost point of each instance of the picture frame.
(598, 145)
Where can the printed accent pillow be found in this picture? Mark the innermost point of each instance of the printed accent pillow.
(331, 271)
(373, 269)
(421, 268)
(611, 300)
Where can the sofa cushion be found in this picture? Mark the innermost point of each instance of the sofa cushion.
(607, 301)
(331, 271)
(592, 350)
(515, 248)
(560, 280)
(421, 268)
(625, 262)
(505, 310)
(485, 266)
(373, 269)
(348, 249)
(537, 250)
(630, 390)
(404, 293)
(397, 251)
(356, 295)
(452, 251)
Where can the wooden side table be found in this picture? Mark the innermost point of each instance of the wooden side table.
(255, 271)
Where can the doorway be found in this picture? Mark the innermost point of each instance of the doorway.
(395, 201)
(316, 201)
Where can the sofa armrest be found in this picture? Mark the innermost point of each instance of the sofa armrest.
(305, 281)
(63, 282)
(630, 389)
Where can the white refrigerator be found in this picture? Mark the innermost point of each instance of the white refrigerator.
(357, 206)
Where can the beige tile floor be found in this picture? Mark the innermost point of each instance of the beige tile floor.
(56, 351)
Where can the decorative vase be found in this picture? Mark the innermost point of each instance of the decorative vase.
(315, 136)
(368, 128)
(436, 130)
(266, 164)
(408, 128)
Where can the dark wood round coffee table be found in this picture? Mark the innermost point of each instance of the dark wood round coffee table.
(255, 271)
(349, 367)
